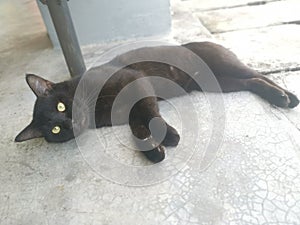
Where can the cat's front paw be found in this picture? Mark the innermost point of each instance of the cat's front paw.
(172, 137)
(156, 155)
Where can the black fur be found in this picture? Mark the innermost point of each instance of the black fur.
(231, 74)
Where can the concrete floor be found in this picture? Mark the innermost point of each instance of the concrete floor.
(253, 177)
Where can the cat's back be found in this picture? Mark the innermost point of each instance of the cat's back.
(160, 54)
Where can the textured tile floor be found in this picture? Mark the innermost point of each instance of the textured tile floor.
(252, 177)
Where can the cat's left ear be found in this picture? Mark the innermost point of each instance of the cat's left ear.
(38, 85)
(30, 132)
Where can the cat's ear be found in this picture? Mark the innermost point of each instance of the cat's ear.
(38, 85)
(30, 132)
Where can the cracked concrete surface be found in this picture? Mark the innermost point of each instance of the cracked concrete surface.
(254, 177)
(224, 20)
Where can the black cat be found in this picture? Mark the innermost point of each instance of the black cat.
(53, 118)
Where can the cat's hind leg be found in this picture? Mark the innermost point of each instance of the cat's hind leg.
(234, 75)
(262, 87)
(294, 101)
(255, 82)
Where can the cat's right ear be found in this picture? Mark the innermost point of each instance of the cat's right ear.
(30, 132)
(38, 85)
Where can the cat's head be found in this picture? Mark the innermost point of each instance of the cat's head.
(52, 115)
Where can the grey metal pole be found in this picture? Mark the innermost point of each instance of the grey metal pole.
(66, 34)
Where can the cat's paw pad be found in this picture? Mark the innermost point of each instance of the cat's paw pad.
(155, 155)
(172, 137)
(294, 101)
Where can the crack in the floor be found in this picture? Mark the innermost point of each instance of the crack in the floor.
(257, 3)
(291, 121)
(237, 6)
(290, 69)
(296, 22)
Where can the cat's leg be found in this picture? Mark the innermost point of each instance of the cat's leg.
(244, 72)
(140, 131)
(294, 101)
(225, 64)
(140, 117)
(272, 93)
(258, 83)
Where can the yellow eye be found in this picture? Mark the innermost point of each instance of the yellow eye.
(56, 130)
(61, 107)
